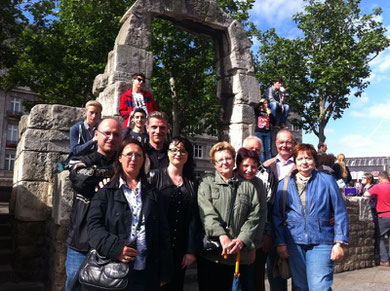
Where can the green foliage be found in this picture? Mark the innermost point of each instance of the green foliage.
(330, 61)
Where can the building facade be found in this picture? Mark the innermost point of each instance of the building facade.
(360, 165)
(11, 109)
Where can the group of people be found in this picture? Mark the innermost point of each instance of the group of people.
(138, 201)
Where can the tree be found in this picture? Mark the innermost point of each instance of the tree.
(327, 63)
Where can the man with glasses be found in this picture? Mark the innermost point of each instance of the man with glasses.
(88, 173)
(136, 97)
(156, 148)
(281, 166)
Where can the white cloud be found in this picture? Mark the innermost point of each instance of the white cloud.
(274, 12)
(376, 111)
(329, 130)
(356, 145)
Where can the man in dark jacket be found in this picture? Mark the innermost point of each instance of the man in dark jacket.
(86, 173)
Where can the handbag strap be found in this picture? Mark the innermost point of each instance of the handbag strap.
(284, 197)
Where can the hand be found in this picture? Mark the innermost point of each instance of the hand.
(251, 256)
(235, 246)
(282, 108)
(163, 283)
(188, 259)
(282, 251)
(127, 255)
(225, 241)
(102, 183)
(337, 253)
(267, 243)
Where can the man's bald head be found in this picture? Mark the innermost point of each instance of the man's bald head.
(109, 135)
(253, 143)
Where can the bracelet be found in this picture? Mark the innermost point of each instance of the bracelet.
(338, 244)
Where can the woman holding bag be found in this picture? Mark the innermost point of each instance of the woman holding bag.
(127, 224)
(229, 211)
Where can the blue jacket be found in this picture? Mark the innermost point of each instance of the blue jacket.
(80, 143)
(323, 199)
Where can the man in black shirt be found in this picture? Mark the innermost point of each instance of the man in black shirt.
(156, 147)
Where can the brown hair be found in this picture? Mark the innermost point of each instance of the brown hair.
(304, 147)
(221, 146)
(327, 160)
(158, 115)
(244, 153)
(138, 74)
(369, 177)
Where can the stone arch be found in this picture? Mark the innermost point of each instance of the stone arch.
(237, 87)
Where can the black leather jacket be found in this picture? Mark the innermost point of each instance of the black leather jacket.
(85, 173)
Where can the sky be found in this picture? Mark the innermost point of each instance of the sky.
(364, 129)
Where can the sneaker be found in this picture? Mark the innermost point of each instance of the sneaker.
(384, 264)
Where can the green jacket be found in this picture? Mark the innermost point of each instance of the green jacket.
(214, 199)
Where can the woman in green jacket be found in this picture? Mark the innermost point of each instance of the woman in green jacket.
(229, 210)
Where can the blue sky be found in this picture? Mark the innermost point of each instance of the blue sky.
(364, 128)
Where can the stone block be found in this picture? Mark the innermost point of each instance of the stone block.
(22, 125)
(62, 199)
(33, 200)
(110, 98)
(246, 89)
(43, 140)
(130, 59)
(59, 117)
(99, 84)
(136, 30)
(237, 133)
(36, 166)
(364, 209)
(242, 113)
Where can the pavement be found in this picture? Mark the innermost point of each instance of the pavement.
(368, 279)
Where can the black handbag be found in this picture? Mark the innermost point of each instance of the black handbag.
(100, 273)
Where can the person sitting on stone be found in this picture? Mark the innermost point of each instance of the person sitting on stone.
(137, 129)
(87, 174)
(276, 96)
(136, 97)
(82, 135)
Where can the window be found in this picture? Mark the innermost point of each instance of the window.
(198, 151)
(14, 105)
(9, 162)
(12, 133)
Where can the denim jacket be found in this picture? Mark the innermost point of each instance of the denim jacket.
(312, 226)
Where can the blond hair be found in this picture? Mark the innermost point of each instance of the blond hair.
(94, 103)
(341, 161)
(221, 146)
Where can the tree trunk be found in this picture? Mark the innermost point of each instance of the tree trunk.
(175, 108)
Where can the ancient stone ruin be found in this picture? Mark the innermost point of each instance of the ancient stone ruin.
(237, 87)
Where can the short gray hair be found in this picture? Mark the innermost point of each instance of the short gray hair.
(250, 138)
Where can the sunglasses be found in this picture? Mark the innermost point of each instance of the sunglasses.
(141, 80)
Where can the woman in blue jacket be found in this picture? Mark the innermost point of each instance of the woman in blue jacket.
(304, 234)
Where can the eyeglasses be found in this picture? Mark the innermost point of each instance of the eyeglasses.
(224, 161)
(176, 151)
(108, 134)
(129, 156)
(141, 80)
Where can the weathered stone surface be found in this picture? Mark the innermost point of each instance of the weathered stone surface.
(33, 200)
(110, 98)
(136, 31)
(36, 166)
(132, 60)
(246, 89)
(62, 200)
(99, 84)
(45, 141)
(242, 113)
(237, 133)
(61, 117)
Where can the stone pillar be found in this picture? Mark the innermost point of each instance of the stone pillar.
(43, 143)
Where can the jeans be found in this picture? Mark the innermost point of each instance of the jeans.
(275, 108)
(384, 228)
(74, 259)
(266, 150)
(311, 267)
(275, 283)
